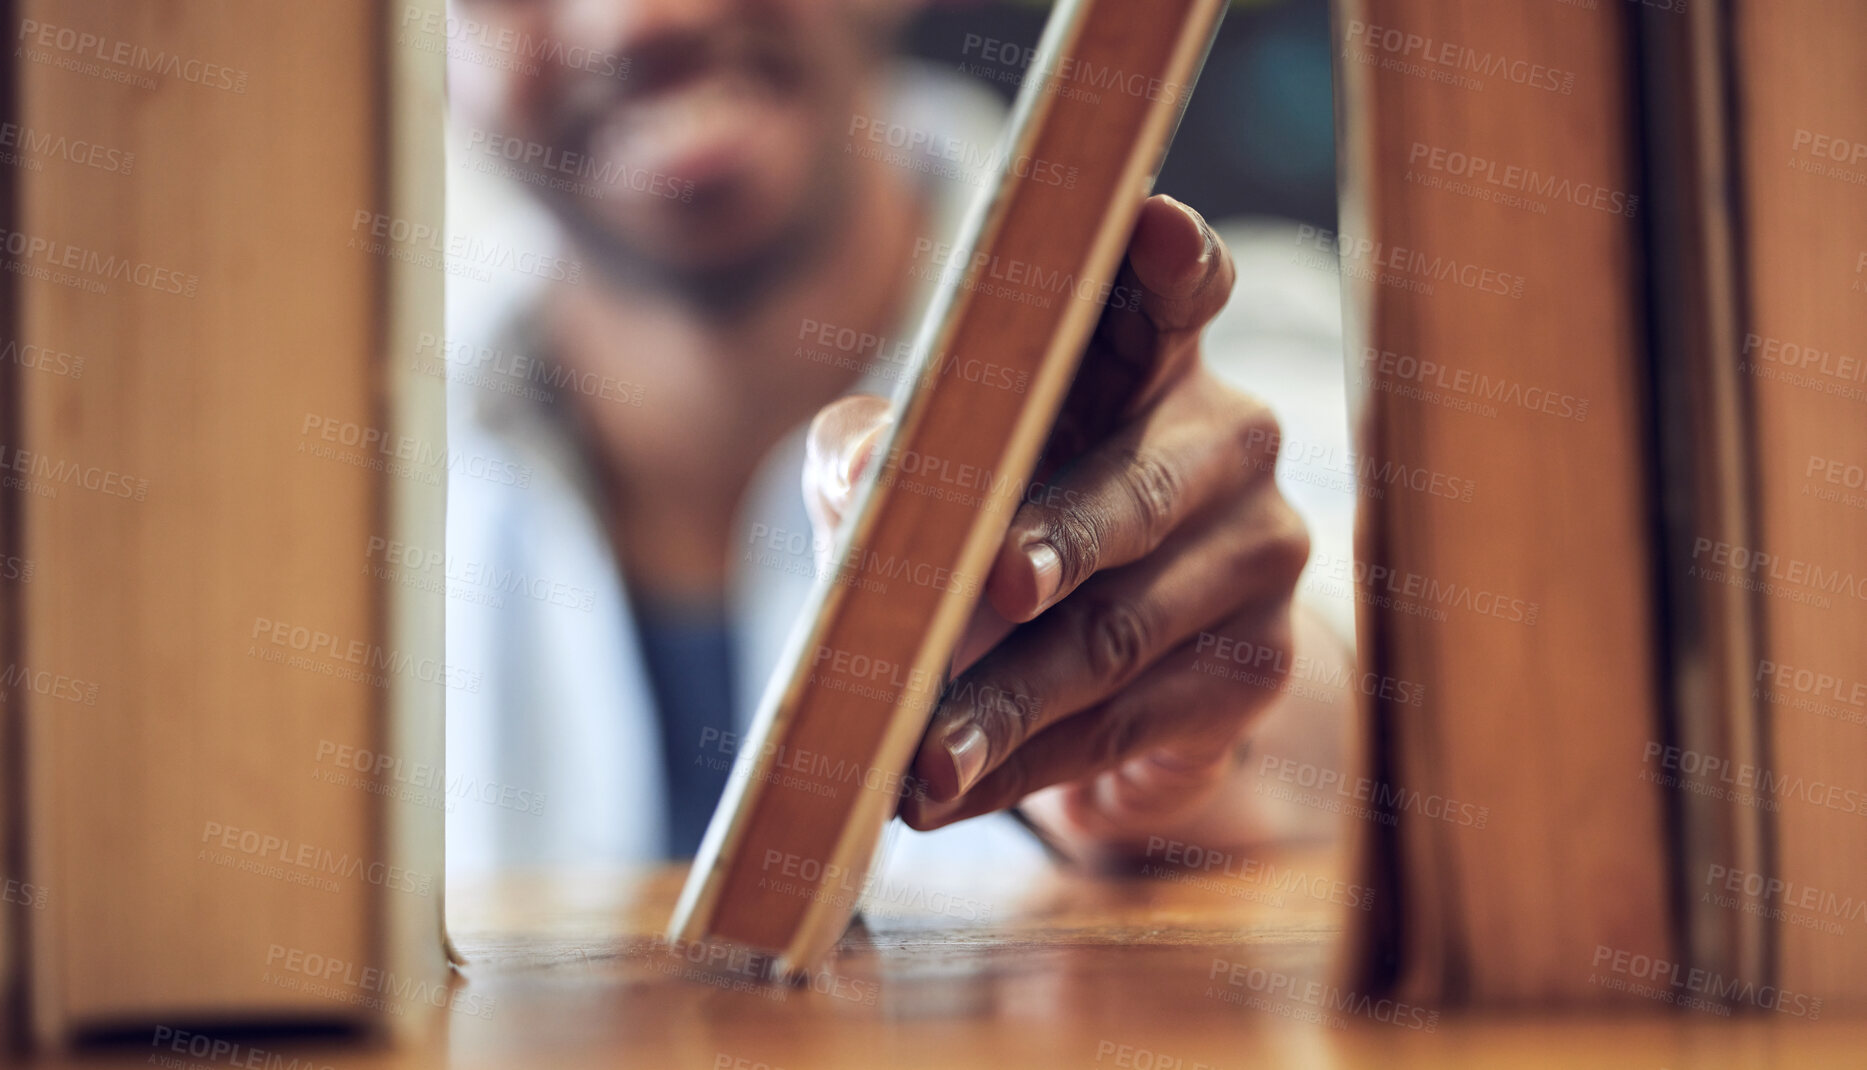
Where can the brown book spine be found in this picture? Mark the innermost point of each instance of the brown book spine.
(790, 847)
(1801, 120)
(226, 416)
(1494, 338)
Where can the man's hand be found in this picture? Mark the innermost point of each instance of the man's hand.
(1158, 521)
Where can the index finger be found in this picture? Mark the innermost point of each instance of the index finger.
(1180, 275)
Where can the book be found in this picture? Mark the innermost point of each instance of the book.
(212, 423)
(1801, 133)
(1662, 762)
(1489, 247)
(781, 867)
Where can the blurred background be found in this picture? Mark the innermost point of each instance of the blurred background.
(1259, 136)
(1254, 155)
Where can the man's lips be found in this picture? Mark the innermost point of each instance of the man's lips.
(703, 131)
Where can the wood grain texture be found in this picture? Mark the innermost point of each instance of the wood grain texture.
(1477, 137)
(1800, 75)
(1023, 291)
(1063, 971)
(251, 318)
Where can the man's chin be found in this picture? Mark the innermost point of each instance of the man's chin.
(715, 246)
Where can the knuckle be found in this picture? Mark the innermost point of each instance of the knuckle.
(1015, 700)
(1287, 550)
(1278, 640)
(1117, 638)
(1154, 490)
(1002, 710)
(1278, 548)
(1077, 532)
(1257, 434)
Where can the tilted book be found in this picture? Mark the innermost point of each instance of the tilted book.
(1023, 283)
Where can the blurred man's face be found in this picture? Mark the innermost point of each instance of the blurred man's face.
(695, 141)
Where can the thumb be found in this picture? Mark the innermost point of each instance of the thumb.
(837, 451)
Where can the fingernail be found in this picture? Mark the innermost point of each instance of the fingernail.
(968, 747)
(1047, 569)
(1205, 234)
(854, 460)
